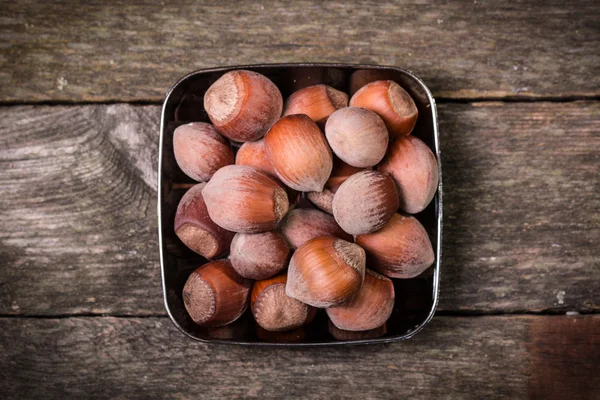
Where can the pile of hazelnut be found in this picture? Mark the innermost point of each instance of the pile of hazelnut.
(314, 208)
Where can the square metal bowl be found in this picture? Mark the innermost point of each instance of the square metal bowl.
(416, 299)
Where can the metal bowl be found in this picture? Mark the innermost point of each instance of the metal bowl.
(416, 299)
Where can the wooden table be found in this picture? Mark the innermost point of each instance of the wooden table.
(518, 88)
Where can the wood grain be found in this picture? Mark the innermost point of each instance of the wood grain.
(98, 51)
(564, 358)
(467, 358)
(79, 229)
(521, 206)
(79, 210)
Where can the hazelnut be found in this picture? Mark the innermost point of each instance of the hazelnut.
(357, 136)
(259, 255)
(215, 295)
(392, 103)
(369, 308)
(325, 272)
(243, 105)
(318, 102)
(254, 154)
(200, 150)
(196, 230)
(322, 200)
(340, 334)
(273, 310)
(299, 153)
(340, 172)
(401, 249)
(414, 168)
(365, 202)
(303, 224)
(244, 199)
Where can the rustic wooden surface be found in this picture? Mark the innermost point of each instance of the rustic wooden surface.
(454, 357)
(98, 51)
(81, 312)
(521, 220)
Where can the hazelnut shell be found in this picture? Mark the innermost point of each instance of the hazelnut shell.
(243, 105)
(200, 150)
(259, 255)
(357, 136)
(299, 153)
(254, 154)
(369, 308)
(244, 199)
(325, 272)
(340, 172)
(392, 103)
(401, 249)
(414, 168)
(340, 334)
(317, 101)
(274, 310)
(215, 295)
(365, 202)
(196, 230)
(303, 224)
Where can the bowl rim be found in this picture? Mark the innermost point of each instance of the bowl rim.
(438, 198)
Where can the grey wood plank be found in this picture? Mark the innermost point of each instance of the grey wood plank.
(79, 228)
(455, 357)
(78, 210)
(99, 51)
(521, 206)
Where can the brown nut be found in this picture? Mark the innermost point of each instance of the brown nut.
(325, 272)
(365, 202)
(215, 295)
(357, 136)
(254, 154)
(299, 153)
(401, 249)
(304, 224)
(196, 230)
(340, 334)
(243, 105)
(259, 255)
(318, 102)
(244, 199)
(322, 200)
(340, 172)
(200, 150)
(414, 168)
(392, 103)
(370, 307)
(274, 310)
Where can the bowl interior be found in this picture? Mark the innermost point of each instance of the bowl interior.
(415, 298)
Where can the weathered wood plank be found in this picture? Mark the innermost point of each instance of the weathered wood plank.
(79, 228)
(97, 51)
(476, 357)
(78, 210)
(522, 223)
